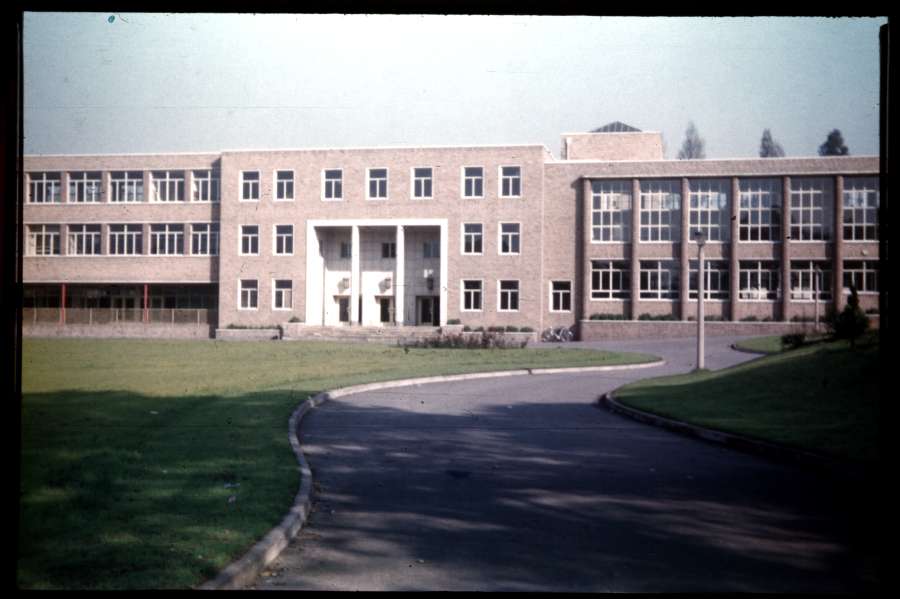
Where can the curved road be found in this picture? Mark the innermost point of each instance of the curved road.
(523, 484)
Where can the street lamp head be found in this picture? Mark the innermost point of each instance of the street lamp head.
(700, 237)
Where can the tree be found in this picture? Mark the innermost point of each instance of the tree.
(852, 322)
(768, 147)
(834, 145)
(693, 144)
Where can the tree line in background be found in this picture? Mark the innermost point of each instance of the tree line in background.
(693, 146)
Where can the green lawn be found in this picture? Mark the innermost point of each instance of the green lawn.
(131, 449)
(822, 397)
(763, 345)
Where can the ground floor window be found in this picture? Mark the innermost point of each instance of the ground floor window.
(509, 296)
(659, 279)
(862, 274)
(283, 295)
(715, 279)
(561, 296)
(471, 296)
(809, 275)
(759, 280)
(610, 279)
(249, 294)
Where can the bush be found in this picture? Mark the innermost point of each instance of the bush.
(750, 319)
(460, 341)
(496, 329)
(512, 329)
(598, 316)
(793, 340)
(467, 328)
(479, 329)
(527, 330)
(454, 321)
(646, 316)
(852, 321)
(295, 319)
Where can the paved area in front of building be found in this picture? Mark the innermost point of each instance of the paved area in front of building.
(523, 484)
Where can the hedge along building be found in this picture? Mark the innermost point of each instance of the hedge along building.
(488, 235)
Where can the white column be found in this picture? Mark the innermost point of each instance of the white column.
(444, 274)
(400, 277)
(354, 275)
(315, 277)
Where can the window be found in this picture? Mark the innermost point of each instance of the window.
(283, 297)
(389, 250)
(808, 275)
(126, 240)
(659, 279)
(473, 182)
(611, 211)
(205, 186)
(431, 249)
(378, 183)
(249, 186)
(166, 239)
(249, 294)
(205, 239)
(346, 249)
(84, 240)
(284, 240)
(43, 240)
(660, 208)
(715, 279)
(471, 296)
(168, 186)
(561, 296)
(473, 234)
(861, 201)
(863, 274)
(508, 300)
(126, 187)
(710, 210)
(610, 279)
(84, 187)
(760, 210)
(284, 185)
(510, 181)
(422, 183)
(759, 280)
(332, 184)
(44, 188)
(812, 201)
(509, 238)
(249, 240)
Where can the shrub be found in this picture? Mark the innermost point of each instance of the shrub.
(479, 329)
(467, 328)
(460, 341)
(750, 319)
(454, 321)
(496, 329)
(793, 340)
(527, 330)
(852, 321)
(598, 316)
(872, 311)
(295, 319)
(646, 316)
(512, 329)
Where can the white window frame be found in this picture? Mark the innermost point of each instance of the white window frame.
(44, 187)
(611, 200)
(211, 235)
(44, 236)
(78, 234)
(502, 178)
(660, 201)
(328, 185)
(379, 182)
(252, 293)
(463, 293)
(517, 235)
(857, 274)
(804, 276)
(169, 234)
(168, 182)
(561, 293)
(616, 271)
(276, 292)
(205, 180)
(717, 275)
(709, 200)
(279, 184)
(88, 188)
(671, 291)
(510, 293)
(466, 178)
(465, 235)
(760, 270)
(858, 196)
(276, 236)
(249, 236)
(123, 189)
(763, 198)
(812, 204)
(242, 181)
(132, 236)
(414, 180)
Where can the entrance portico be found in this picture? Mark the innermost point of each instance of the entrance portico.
(376, 272)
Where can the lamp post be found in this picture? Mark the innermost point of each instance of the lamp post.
(700, 236)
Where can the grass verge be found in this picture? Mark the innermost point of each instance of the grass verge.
(822, 398)
(154, 464)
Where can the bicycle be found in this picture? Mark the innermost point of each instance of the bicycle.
(560, 334)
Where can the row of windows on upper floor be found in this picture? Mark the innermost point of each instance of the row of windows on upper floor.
(810, 210)
(169, 186)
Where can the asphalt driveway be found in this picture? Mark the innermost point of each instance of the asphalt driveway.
(523, 484)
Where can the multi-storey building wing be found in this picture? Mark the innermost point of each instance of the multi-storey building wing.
(487, 235)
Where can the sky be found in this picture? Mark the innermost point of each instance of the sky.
(133, 83)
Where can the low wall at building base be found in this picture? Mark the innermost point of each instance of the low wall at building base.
(609, 330)
(248, 334)
(121, 329)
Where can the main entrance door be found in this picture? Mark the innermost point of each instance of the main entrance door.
(428, 310)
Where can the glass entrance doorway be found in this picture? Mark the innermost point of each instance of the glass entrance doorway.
(428, 310)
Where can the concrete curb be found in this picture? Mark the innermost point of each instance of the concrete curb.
(242, 572)
(780, 453)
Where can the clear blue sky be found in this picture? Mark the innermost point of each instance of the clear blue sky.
(179, 83)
